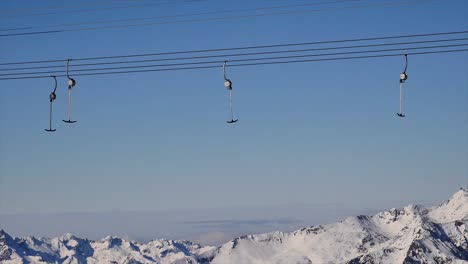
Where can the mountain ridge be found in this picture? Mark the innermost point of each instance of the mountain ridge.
(412, 234)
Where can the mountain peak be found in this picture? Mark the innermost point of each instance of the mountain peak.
(455, 208)
(67, 236)
(461, 196)
(408, 235)
(4, 237)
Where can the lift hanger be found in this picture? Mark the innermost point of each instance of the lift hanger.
(52, 98)
(403, 77)
(228, 84)
(71, 84)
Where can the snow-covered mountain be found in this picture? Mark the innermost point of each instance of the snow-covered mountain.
(410, 235)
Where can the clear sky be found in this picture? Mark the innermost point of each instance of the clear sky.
(308, 133)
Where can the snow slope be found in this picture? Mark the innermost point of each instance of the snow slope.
(410, 235)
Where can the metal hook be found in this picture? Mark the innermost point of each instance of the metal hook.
(52, 95)
(224, 69)
(406, 59)
(227, 82)
(52, 98)
(403, 75)
(71, 81)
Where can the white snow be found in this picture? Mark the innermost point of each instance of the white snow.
(456, 208)
(412, 234)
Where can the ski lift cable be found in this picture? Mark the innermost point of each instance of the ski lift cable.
(302, 11)
(240, 60)
(14, 29)
(237, 54)
(97, 3)
(96, 9)
(244, 47)
(181, 15)
(243, 64)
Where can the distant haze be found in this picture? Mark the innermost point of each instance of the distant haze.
(207, 226)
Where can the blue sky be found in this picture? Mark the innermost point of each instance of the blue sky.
(308, 133)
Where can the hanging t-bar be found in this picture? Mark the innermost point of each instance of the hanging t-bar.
(71, 84)
(52, 98)
(228, 85)
(403, 77)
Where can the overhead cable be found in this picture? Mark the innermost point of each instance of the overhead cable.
(242, 48)
(184, 15)
(238, 54)
(243, 64)
(240, 60)
(389, 3)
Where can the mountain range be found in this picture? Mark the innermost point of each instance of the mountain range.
(413, 234)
